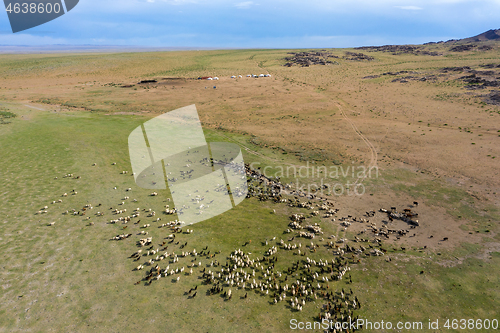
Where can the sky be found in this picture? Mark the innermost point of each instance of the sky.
(260, 24)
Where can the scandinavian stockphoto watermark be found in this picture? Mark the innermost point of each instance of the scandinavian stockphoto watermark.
(350, 324)
(312, 179)
(204, 179)
(26, 14)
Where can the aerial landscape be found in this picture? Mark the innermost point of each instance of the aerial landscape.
(370, 191)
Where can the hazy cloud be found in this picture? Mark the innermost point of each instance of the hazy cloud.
(409, 7)
(170, 2)
(323, 23)
(244, 5)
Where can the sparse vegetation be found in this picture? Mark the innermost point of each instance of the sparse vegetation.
(69, 276)
(4, 114)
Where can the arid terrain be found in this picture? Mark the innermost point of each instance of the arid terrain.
(426, 118)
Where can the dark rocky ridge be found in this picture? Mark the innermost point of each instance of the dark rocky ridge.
(309, 58)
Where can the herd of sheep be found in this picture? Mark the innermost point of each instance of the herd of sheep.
(301, 282)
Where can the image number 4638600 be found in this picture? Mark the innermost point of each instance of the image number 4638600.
(26, 14)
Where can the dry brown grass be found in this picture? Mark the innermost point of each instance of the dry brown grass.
(415, 122)
(420, 131)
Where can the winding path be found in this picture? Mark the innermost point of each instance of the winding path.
(373, 151)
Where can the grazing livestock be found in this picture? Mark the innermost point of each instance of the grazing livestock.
(244, 271)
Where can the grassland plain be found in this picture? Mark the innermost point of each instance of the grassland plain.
(72, 112)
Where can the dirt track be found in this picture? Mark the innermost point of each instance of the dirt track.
(373, 151)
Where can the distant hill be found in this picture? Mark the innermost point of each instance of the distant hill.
(490, 35)
(485, 36)
(482, 42)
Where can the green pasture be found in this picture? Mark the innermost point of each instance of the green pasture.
(70, 277)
